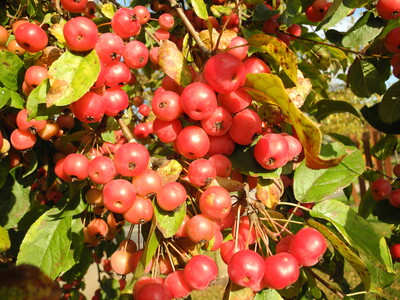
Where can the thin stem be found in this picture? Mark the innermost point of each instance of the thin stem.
(381, 173)
(327, 284)
(294, 204)
(356, 294)
(332, 45)
(152, 36)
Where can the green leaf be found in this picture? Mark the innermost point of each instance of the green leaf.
(316, 185)
(46, 244)
(328, 107)
(390, 105)
(371, 114)
(243, 161)
(108, 10)
(168, 222)
(37, 97)
(268, 294)
(11, 68)
(200, 9)
(33, 164)
(366, 205)
(363, 237)
(336, 13)
(5, 242)
(16, 100)
(344, 250)
(363, 31)
(152, 242)
(263, 13)
(5, 95)
(14, 202)
(108, 136)
(365, 79)
(71, 76)
(75, 252)
(385, 147)
(74, 206)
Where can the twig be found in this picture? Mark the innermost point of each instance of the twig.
(189, 27)
(125, 130)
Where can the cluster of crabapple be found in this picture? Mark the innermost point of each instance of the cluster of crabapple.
(272, 26)
(388, 10)
(381, 189)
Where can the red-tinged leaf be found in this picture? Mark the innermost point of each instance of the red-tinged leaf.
(269, 88)
(173, 63)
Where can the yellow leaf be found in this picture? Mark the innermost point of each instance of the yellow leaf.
(224, 42)
(279, 51)
(57, 31)
(269, 191)
(173, 63)
(298, 94)
(269, 88)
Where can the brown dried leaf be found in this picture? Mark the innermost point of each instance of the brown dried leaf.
(49, 55)
(229, 184)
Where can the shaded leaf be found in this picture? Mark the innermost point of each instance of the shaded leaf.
(386, 212)
(316, 185)
(14, 202)
(269, 88)
(371, 114)
(279, 51)
(263, 13)
(4, 96)
(71, 76)
(269, 191)
(366, 205)
(363, 236)
(385, 147)
(5, 242)
(365, 78)
(46, 244)
(344, 250)
(11, 68)
(390, 105)
(27, 282)
(328, 107)
(243, 161)
(173, 63)
(168, 222)
(200, 9)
